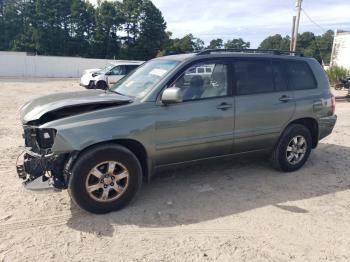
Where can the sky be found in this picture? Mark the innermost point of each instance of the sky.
(252, 20)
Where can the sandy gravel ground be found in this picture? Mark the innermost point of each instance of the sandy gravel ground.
(239, 210)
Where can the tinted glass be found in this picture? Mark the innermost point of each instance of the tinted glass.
(118, 70)
(300, 76)
(198, 83)
(253, 77)
(278, 76)
(129, 68)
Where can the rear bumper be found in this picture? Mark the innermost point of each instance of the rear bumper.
(326, 125)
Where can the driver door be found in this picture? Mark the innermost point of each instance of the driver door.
(202, 125)
(115, 74)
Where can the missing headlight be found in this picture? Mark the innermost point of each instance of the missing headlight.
(46, 137)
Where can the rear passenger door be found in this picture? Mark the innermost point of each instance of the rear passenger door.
(308, 97)
(263, 103)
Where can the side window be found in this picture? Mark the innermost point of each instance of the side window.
(118, 70)
(130, 68)
(253, 77)
(300, 75)
(199, 82)
(279, 76)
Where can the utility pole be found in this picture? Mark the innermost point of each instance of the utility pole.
(298, 6)
(292, 38)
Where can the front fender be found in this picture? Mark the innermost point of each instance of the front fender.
(79, 132)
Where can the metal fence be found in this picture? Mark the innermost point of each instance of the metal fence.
(20, 64)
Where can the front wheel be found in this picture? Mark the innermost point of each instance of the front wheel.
(105, 179)
(102, 85)
(293, 148)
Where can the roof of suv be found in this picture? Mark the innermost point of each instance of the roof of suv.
(237, 53)
(126, 62)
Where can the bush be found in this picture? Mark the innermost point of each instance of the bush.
(335, 73)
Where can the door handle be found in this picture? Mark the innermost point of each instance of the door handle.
(285, 98)
(224, 106)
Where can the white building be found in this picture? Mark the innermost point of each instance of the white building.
(341, 49)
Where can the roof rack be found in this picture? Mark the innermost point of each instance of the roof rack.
(251, 51)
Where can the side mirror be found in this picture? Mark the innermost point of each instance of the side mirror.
(172, 95)
(108, 73)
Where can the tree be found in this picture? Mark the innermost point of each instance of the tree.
(198, 44)
(187, 44)
(82, 24)
(238, 43)
(152, 36)
(11, 22)
(325, 44)
(131, 11)
(275, 42)
(216, 44)
(128, 29)
(108, 21)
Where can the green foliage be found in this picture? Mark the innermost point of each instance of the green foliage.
(319, 47)
(152, 36)
(186, 44)
(76, 28)
(335, 73)
(275, 42)
(128, 29)
(216, 44)
(237, 44)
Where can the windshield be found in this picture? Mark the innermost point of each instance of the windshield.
(106, 69)
(143, 79)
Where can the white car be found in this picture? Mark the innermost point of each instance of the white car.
(103, 78)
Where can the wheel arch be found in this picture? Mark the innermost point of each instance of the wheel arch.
(136, 147)
(311, 124)
(100, 82)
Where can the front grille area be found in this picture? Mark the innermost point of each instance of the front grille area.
(30, 139)
(39, 140)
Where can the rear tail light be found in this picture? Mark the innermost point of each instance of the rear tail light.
(333, 104)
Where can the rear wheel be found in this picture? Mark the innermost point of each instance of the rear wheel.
(293, 148)
(105, 179)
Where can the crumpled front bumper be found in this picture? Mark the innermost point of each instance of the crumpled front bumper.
(41, 171)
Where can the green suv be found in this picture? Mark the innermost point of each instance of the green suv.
(101, 145)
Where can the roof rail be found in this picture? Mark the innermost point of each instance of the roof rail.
(251, 51)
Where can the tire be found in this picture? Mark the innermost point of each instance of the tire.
(84, 176)
(284, 156)
(338, 87)
(101, 85)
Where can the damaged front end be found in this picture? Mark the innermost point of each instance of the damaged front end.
(41, 168)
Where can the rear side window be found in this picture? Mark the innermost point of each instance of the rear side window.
(279, 76)
(253, 77)
(300, 76)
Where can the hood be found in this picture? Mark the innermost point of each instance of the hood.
(90, 71)
(51, 107)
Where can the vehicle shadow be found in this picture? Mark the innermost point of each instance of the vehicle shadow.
(223, 188)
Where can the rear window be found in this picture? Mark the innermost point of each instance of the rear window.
(253, 77)
(300, 76)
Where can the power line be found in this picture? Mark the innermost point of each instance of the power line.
(312, 21)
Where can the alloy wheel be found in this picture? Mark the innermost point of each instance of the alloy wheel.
(107, 181)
